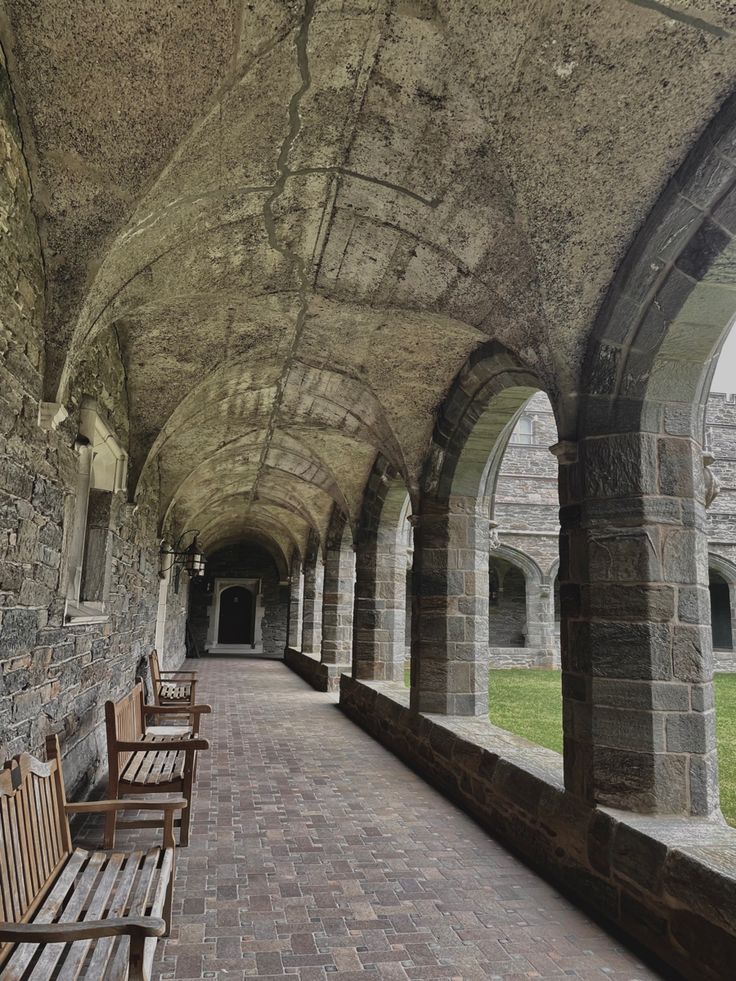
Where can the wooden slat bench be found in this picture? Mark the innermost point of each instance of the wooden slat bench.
(149, 762)
(67, 912)
(171, 687)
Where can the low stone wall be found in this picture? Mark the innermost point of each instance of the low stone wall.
(724, 661)
(670, 884)
(322, 677)
(522, 657)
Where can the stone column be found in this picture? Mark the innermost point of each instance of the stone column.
(450, 625)
(314, 575)
(636, 644)
(296, 600)
(540, 617)
(337, 607)
(379, 647)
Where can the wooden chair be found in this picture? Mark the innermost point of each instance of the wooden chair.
(171, 687)
(67, 911)
(141, 762)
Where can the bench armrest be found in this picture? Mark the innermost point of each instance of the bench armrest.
(177, 674)
(60, 933)
(140, 746)
(93, 806)
(177, 710)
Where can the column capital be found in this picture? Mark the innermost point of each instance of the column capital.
(566, 451)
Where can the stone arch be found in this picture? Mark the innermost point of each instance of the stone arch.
(451, 577)
(476, 422)
(380, 584)
(634, 582)
(314, 577)
(658, 335)
(339, 590)
(725, 567)
(537, 630)
(521, 560)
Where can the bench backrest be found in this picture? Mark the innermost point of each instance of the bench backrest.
(124, 723)
(34, 832)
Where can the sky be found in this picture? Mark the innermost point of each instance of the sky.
(724, 379)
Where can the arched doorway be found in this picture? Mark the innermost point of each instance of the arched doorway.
(235, 617)
(507, 605)
(720, 611)
(236, 623)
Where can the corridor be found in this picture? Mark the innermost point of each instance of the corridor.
(316, 854)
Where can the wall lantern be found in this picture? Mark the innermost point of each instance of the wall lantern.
(191, 558)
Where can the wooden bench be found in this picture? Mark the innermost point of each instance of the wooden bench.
(149, 762)
(66, 911)
(171, 687)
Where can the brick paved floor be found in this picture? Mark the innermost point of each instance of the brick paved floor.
(315, 853)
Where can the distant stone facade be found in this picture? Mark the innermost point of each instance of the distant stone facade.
(524, 611)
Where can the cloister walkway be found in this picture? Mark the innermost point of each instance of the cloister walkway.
(316, 854)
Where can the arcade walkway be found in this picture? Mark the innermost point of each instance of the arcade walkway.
(316, 854)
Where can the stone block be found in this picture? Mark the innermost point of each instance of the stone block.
(706, 946)
(691, 653)
(18, 628)
(624, 728)
(638, 857)
(600, 842)
(631, 650)
(691, 732)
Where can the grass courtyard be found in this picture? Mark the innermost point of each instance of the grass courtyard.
(529, 704)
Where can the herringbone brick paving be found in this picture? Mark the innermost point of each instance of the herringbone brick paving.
(316, 854)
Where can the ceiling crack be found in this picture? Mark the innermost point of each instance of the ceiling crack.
(293, 259)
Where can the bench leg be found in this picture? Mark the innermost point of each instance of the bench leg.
(110, 826)
(137, 967)
(169, 899)
(186, 814)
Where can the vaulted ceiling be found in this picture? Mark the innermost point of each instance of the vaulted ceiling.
(298, 219)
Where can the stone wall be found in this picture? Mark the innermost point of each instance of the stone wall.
(55, 676)
(667, 883)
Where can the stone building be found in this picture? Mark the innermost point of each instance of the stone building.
(276, 280)
(524, 595)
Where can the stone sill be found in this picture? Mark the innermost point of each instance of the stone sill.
(79, 619)
(667, 881)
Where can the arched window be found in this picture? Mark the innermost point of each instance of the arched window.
(523, 431)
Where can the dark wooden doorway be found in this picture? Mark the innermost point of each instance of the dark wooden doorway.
(237, 609)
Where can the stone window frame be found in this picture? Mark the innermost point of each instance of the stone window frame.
(102, 466)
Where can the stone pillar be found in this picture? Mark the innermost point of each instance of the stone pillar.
(379, 647)
(337, 607)
(636, 643)
(450, 625)
(314, 575)
(296, 600)
(540, 616)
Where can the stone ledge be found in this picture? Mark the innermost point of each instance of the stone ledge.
(322, 677)
(669, 883)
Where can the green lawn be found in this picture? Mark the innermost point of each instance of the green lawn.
(529, 704)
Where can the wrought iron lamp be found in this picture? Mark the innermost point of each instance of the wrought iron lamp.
(191, 558)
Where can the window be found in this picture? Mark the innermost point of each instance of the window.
(101, 473)
(524, 431)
